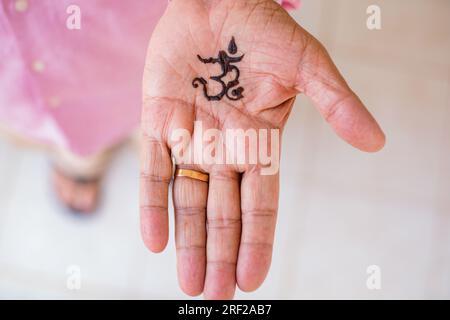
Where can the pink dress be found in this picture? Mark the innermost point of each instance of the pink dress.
(78, 89)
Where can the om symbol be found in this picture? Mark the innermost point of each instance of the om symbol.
(226, 63)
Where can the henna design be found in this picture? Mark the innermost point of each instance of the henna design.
(226, 64)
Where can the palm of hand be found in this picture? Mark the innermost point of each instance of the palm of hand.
(225, 230)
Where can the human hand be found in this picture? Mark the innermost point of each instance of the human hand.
(225, 230)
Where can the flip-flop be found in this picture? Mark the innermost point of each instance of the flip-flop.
(79, 181)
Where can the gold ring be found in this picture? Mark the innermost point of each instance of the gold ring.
(192, 174)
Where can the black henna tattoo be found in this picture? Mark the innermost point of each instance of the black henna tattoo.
(226, 63)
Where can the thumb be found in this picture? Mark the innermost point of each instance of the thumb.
(319, 79)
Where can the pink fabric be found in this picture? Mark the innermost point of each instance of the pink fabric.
(79, 89)
(76, 89)
(290, 4)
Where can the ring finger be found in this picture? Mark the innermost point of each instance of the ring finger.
(189, 198)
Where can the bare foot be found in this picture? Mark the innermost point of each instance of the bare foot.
(80, 195)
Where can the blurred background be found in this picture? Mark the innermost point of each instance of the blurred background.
(341, 210)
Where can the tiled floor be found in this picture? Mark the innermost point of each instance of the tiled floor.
(340, 210)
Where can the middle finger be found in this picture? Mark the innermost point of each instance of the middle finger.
(224, 232)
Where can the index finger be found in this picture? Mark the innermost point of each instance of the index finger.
(259, 205)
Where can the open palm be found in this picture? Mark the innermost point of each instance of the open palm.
(230, 64)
